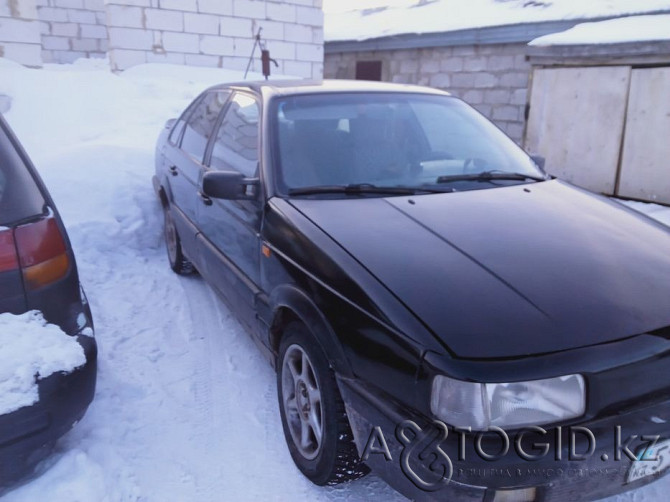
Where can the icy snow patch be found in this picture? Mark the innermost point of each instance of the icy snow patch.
(32, 349)
(655, 211)
(614, 31)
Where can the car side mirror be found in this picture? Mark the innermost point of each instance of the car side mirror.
(170, 123)
(539, 161)
(230, 185)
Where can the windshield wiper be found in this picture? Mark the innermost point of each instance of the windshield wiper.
(364, 188)
(490, 175)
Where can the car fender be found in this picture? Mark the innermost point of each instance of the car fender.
(288, 297)
(163, 190)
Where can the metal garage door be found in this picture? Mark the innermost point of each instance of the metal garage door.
(576, 121)
(645, 163)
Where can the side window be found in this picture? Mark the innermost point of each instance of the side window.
(200, 124)
(236, 143)
(177, 129)
(19, 195)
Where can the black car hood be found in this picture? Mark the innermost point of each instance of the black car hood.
(510, 271)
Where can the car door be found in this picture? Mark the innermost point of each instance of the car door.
(229, 244)
(184, 162)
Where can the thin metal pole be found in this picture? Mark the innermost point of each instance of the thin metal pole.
(253, 51)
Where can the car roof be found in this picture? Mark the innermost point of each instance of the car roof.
(289, 87)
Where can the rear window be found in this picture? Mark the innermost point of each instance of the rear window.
(20, 198)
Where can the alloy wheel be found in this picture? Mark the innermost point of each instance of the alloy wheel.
(302, 401)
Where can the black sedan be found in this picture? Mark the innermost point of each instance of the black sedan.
(38, 272)
(437, 307)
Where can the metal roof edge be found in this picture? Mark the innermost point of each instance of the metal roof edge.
(639, 53)
(506, 34)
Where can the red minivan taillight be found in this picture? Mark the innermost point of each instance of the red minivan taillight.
(8, 259)
(41, 253)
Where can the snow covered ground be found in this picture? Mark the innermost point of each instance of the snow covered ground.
(363, 19)
(185, 408)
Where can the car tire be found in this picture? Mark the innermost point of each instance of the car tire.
(309, 400)
(178, 262)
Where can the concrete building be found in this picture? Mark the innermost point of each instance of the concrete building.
(487, 65)
(217, 33)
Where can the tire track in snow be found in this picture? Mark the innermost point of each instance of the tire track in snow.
(202, 312)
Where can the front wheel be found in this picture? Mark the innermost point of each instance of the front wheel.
(313, 416)
(178, 262)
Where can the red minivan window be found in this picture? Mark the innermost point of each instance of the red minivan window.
(20, 198)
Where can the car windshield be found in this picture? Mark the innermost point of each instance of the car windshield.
(371, 140)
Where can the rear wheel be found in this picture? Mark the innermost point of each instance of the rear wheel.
(178, 262)
(313, 416)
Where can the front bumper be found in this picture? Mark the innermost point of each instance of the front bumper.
(27, 434)
(554, 477)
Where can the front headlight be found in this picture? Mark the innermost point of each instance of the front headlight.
(517, 404)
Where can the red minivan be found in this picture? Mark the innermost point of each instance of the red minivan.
(38, 272)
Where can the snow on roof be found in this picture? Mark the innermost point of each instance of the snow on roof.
(613, 31)
(365, 19)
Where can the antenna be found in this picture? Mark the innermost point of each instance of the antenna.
(257, 42)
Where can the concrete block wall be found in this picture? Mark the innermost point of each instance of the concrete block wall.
(20, 32)
(492, 78)
(72, 29)
(217, 33)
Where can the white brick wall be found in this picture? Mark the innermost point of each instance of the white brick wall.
(20, 38)
(221, 7)
(181, 42)
(169, 20)
(217, 33)
(184, 5)
(198, 32)
(281, 12)
(72, 29)
(201, 23)
(254, 9)
(217, 46)
(236, 27)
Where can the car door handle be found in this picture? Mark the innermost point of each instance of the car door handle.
(205, 200)
(173, 170)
